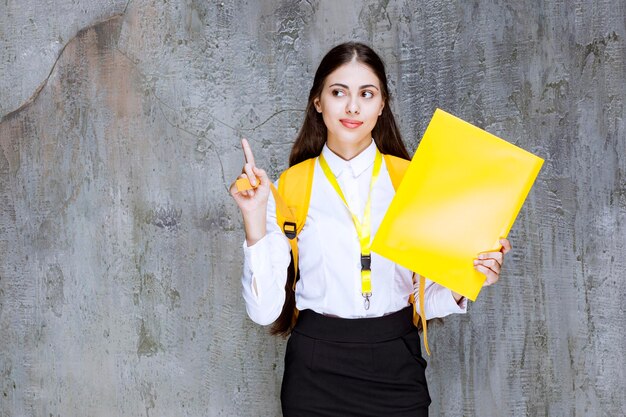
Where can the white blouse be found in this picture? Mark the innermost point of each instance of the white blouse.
(330, 254)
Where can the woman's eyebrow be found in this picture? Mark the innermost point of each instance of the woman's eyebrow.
(347, 88)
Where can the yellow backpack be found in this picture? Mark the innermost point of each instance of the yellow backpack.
(292, 205)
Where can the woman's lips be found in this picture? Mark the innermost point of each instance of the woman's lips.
(350, 124)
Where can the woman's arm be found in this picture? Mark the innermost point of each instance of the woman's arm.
(440, 301)
(265, 272)
(266, 250)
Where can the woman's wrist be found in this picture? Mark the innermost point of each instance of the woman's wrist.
(457, 297)
(254, 223)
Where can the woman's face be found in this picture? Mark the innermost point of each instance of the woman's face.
(350, 103)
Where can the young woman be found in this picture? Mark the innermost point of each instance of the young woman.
(347, 355)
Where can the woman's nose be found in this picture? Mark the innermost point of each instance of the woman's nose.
(352, 106)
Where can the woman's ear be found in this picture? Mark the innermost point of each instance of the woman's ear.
(316, 103)
(382, 106)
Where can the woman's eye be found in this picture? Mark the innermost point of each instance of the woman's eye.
(338, 93)
(367, 94)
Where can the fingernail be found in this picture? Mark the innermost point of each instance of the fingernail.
(475, 262)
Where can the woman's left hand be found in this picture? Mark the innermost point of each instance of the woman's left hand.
(490, 263)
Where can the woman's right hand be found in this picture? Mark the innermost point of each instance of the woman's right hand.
(253, 202)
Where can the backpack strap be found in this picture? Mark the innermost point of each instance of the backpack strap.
(292, 203)
(292, 206)
(397, 168)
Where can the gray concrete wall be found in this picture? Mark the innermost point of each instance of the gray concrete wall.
(120, 249)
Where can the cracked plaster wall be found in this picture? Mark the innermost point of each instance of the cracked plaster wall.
(120, 249)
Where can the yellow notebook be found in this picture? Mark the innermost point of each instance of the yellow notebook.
(461, 193)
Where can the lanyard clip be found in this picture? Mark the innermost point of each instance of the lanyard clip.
(366, 262)
(366, 302)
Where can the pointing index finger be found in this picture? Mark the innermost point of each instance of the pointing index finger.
(247, 152)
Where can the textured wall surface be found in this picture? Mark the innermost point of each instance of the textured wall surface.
(120, 248)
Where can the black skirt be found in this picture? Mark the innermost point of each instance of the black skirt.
(338, 367)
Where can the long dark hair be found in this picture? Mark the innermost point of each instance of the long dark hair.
(312, 136)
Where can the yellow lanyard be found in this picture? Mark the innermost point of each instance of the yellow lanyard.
(363, 230)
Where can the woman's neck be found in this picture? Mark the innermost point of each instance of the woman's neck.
(348, 151)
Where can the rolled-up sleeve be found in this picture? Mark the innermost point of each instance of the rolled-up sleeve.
(265, 271)
(438, 300)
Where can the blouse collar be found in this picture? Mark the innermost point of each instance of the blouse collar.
(358, 164)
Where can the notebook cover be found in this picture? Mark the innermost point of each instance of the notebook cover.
(462, 191)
